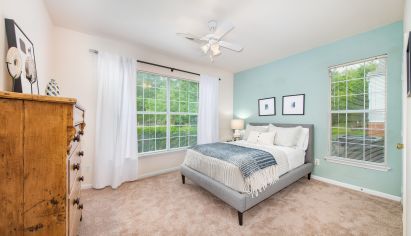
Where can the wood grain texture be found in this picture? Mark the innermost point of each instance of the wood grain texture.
(40, 98)
(34, 181)
(45, 174)
(11, 165)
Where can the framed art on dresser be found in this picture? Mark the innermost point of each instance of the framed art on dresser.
(16, 38)
(266, 106)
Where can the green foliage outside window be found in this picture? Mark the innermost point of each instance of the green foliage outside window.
(152, 113)
(358, 110)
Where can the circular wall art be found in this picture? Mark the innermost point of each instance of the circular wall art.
(14, 62)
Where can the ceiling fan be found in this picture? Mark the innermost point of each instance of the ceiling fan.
(211, 43)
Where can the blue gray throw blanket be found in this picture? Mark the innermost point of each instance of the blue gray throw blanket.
(248, 160)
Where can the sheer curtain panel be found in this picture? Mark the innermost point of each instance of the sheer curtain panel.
(116, 133)
(208, 129)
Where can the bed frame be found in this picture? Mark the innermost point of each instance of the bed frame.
(243, 201)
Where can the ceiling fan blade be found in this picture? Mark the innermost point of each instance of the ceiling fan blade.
(191, 37)
(231, 46)
(223, 29)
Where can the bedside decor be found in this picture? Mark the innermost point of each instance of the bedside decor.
(294, 104)
(266, 106)
(52, 88)
(236, 125)
(18, 39)
(14, 63)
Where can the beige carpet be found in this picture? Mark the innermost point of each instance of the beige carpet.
(162, 205)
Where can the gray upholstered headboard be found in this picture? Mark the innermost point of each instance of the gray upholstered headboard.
(309, 154)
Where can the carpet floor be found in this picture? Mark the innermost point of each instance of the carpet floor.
(162, 205)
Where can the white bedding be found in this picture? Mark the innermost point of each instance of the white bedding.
(287, 159)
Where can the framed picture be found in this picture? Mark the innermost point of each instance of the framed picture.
(28, 82)
(266, 106)
(408, 55)
(294, 104)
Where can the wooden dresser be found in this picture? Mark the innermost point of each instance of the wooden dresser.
(40, 156)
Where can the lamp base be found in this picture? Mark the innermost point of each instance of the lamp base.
(236, 135)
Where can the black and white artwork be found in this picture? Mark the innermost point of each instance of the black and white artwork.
(266, 106)
(294, 104)
(52, 88)
(27, 82)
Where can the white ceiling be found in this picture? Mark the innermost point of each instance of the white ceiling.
(268, 29)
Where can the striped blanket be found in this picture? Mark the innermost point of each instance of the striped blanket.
(257, 166)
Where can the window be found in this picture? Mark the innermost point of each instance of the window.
(358, 97)
(166, 112)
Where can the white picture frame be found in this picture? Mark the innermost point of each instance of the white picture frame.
(294, 104)
(266, 107)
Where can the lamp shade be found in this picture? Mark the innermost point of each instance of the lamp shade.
(237, 124)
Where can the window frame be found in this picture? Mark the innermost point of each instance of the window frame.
(383, 166)
(168, 114)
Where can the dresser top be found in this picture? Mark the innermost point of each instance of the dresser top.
(40, 98)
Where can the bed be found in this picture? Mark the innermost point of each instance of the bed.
(234, 195)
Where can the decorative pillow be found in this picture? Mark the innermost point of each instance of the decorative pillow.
(287, 137)
(250, 128)
(253, 136)
(263, 138)
(302, 143)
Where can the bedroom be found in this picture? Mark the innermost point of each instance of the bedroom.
(337, 68)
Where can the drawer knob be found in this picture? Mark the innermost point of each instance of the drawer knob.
(76, 166)
(76, 201)
(80, 207)
(81, 178)
(81, 153)
(76, 138)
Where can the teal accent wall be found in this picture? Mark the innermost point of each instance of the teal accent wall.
(307, 73)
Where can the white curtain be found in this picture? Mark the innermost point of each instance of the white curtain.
(208, 130)
(116, 133)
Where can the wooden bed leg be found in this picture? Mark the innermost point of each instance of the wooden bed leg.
(183, 178)
(240, 218)
(309, 176)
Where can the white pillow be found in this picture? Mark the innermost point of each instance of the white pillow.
(302, 143)
(250, 128)
(263, 138)
(287, 137)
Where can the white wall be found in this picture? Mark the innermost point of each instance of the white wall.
(75, 70)
(33, 18)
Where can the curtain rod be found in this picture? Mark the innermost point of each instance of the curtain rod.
(158, 65)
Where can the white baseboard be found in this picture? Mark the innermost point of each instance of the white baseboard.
(160, 172)
(151, 174)
(357, 188)
(86, 186)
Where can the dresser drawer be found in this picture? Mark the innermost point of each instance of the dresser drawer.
(74, 165)
(75, 139)
(75, 207)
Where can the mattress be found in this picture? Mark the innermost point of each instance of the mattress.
(287, 159)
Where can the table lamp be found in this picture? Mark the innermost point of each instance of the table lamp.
(236, 125)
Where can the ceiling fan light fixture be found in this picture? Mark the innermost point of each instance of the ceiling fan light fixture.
(210, 43)
(205, 48)
(215, 49)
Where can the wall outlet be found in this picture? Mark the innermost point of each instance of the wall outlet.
(317, 162)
